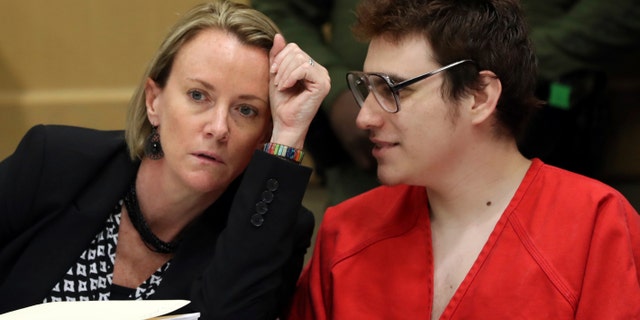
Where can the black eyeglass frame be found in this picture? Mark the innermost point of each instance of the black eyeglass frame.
(395, 87)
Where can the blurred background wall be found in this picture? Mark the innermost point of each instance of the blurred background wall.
(75, 61)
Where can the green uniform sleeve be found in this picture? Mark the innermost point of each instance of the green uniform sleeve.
(589, 34)
(323, 31)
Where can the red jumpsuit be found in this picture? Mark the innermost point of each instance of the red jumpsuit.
(566, 247)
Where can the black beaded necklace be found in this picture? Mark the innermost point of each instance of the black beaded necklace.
(137, 219)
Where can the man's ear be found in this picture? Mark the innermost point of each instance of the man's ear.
(151, 95)
(486, 97)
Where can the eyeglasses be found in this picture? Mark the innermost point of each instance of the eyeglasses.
(384, 89)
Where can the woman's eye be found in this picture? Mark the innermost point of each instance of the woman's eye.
(196, 95)
(246, 110)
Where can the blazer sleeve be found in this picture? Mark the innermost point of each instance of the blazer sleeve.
(259, 254)
(19, 178)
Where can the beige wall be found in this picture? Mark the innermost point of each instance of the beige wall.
(75, 61)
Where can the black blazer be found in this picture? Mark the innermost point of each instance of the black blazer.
(62, 182)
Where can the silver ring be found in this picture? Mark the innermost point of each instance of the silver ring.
(311, 62)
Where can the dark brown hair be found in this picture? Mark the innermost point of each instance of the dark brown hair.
(493, 33)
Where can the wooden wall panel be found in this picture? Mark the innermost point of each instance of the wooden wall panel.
(75, 61)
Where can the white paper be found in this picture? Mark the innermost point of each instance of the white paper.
(186, 316)
(97, 310)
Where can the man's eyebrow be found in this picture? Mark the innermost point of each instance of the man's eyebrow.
(395, 78)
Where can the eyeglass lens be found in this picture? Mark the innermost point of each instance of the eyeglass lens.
(361, 84)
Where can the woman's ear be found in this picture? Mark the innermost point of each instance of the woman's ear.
(151, 96)
(486, 97)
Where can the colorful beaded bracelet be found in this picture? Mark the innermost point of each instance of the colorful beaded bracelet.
(283, 151)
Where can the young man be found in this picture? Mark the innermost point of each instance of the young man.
(465, 226)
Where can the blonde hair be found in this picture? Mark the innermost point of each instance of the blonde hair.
(250, 26)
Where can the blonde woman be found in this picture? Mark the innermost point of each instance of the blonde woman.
(198, 199)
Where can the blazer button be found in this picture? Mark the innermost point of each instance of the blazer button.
(272, 184)
(261, 207)
(257, 220)
(267, 196)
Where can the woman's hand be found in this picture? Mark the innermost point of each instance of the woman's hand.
(296, 89)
